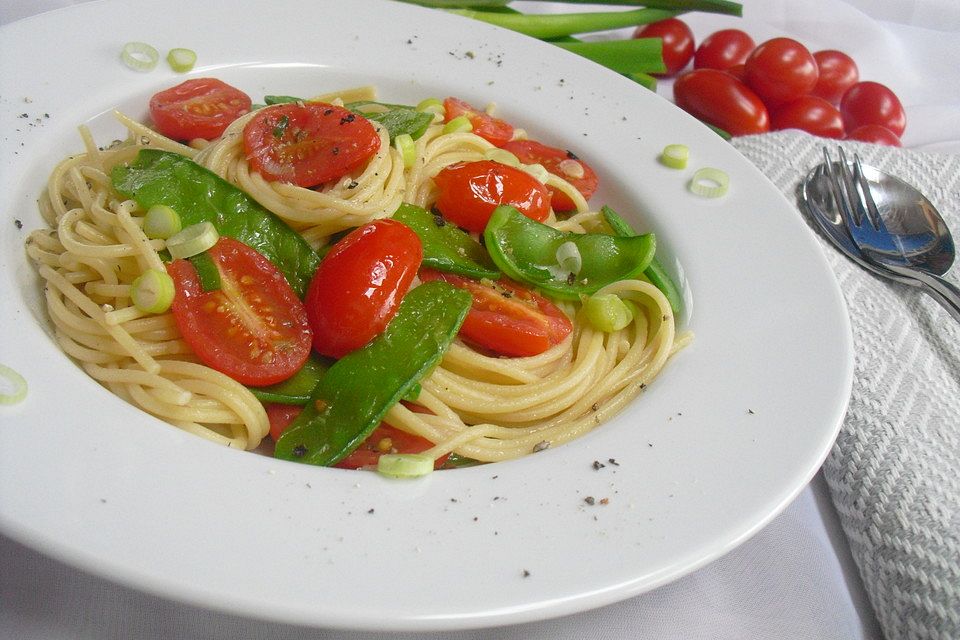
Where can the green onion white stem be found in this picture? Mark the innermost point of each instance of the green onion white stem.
(404, 465)
(181, 60)
(152, 291)
(709, 182)
(194, 239)
(161, 221)
(139, 56)
(13, 386)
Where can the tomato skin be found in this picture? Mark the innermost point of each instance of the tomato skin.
(738, 71)
(308, 144)
(811, 114)
(399, 441)
(359, 284)
(875, 134)
(197, 108)
(254, 329)
(723, 49)
(780, 70)
(507, 318)
(553, 159)
(720, 99)
(872, 103)
(838, 72)
(280, 417)
(470, 191)
(678, 43)
(493, 130)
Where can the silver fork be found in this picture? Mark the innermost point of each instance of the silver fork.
(878, 245)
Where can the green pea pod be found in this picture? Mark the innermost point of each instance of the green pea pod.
(358, 390)
(446, 247)
(199, 195)
(296, 389)
(397, 118)
(526, 250)
(654, 272)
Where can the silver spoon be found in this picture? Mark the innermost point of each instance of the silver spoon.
(918, 227)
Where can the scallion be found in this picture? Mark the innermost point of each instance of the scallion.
(404, 465)
(675, 156)
(139, 56)
(408, 151)
(152, 291)
(431, 105)
(538, 171)
(568, 257)
(194, 239)
(709, 182)
(13, 386)
(458, 125)
(161, 221)
(181, 60)
(607, 312)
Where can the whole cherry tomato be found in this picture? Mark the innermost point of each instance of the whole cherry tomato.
(716, 97)
(781, 70)
(811, 114)
(872, 103)
(738, 71)
(678, 45)
(723, 49)
(838, 72)
(358, 286)
(470, 191)
(197, 108)
(876, 134)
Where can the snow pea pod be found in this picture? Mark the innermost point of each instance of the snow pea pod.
(446, 247)
(526, 250)
(654, 272)
(296, 389)
(199, 195)
(358, 390)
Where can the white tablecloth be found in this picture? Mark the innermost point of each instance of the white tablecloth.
(793, 580)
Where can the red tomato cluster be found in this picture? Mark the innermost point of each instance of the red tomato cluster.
(744, 88)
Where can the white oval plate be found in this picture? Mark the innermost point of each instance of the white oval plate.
(738, 423)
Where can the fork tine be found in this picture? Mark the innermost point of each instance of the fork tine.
(870, 209)
(840, 191)
(854, 199)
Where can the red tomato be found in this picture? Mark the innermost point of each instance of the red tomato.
(720, 99)
(308, 144)
(876, 134)
(507, 318)
(254, 328)
(493, 130)
(280, 417)
(677, 42)
(738, 71)
(560, 163)
(358, 286)
(470, 191)
(198, 108)
(386, 439)
(838, 72)
(723, 49)
(781, 70)
(872, 103)
(811, 114)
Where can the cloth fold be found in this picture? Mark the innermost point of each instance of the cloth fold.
(894, 472)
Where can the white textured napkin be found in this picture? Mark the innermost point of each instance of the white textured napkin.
(894, 473)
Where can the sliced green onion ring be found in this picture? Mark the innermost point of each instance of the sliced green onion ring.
(405, 465)
(538, 171)
(408, 151)
(161, 221)
(607, 312)
(431, 105)
(568, 257)
(17, 385)
(152, 291)
(181, 60)
(709, 182)
(139, 56)
(195, 239)
(458, 125)
(675, 156)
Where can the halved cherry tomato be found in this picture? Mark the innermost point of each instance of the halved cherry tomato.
(875, 134)
(560, 163)
(493, 130)
(470, 191)
(358, 286)
(386, 439)
(838, 72)
(811, 114)
(720, 99)
(677, 42)
(254, 328)
(198, 108)
(781, 70)
(506, 317)
(308, 144)
(872, 103)
(723, 49)
(280, 417)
